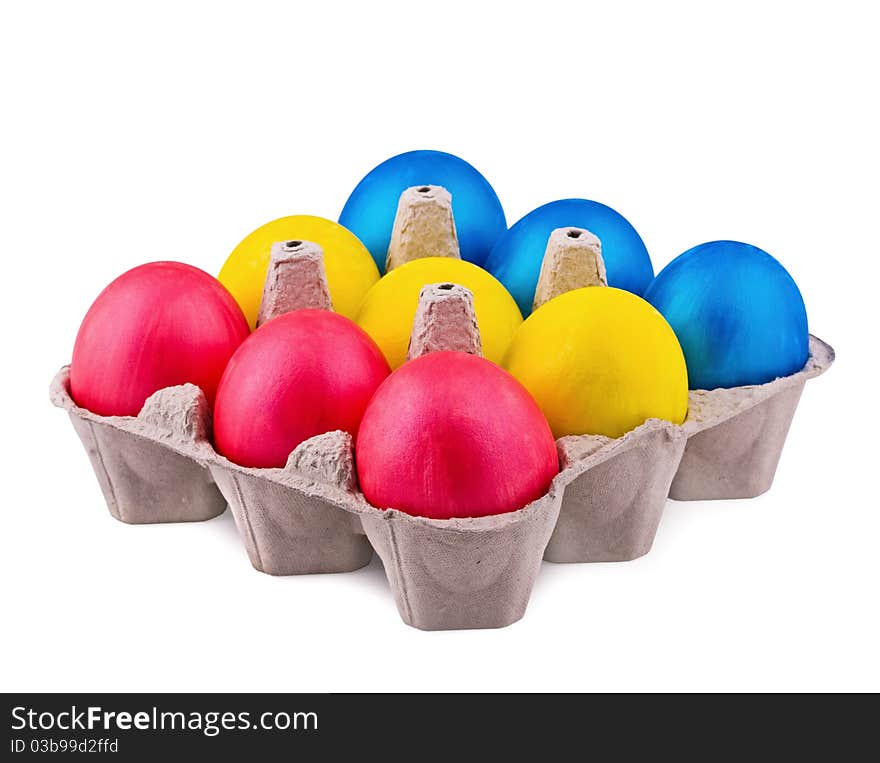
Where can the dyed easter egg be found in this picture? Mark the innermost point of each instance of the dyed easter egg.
(299, 375)
(452, 435)
(600, 360)
(388, 309)
(372, 206)
(737, 312)
(516, 258)
(350, 269)
(156, 326)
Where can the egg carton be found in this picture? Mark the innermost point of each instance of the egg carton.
(309, 517)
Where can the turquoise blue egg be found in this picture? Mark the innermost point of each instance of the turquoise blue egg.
(738, 314)
(516, 258)
(370, 210)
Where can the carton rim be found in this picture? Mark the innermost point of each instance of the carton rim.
(735, 400)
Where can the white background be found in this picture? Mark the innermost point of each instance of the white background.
(171, 131)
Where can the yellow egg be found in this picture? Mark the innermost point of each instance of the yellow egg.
(600, 360)
(349, 266)
(388, 309)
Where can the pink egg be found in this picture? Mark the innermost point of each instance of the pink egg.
(453, 435)
(299, 375)
(157, 325)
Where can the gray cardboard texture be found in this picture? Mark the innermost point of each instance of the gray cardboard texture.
(423, 227)
(445, 320)
(308, 517)
(463, 573)
(616, 489)
(572, 260)
(735, 436)
(287, 518)
(295, 280)
(149, 467)
(615, 494)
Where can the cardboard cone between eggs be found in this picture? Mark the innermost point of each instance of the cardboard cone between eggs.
(445, 320)
(295, 280)
(423, 226)
(572, 260)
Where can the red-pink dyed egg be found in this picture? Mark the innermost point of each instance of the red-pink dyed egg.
(453, 435)
(299, 375)
(157, 325)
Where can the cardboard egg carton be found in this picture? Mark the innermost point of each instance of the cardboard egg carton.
(309, 516)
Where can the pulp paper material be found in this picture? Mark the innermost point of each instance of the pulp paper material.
(572, 260)
(423, 226)
(292, 524)
(307, 517)
(574, 448)
(290, 518)
(615, 493)
(463, 573)
(329, 458)
(151, 467)
(445, 320)
(295, 280)
(735, 436)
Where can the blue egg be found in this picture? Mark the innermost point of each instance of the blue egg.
(370, 210)
(516, 258)
(738, 314)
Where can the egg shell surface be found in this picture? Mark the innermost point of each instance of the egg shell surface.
(157, 325)
(600, 360)
(453, 435)
(738, 314)
(301, 374)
